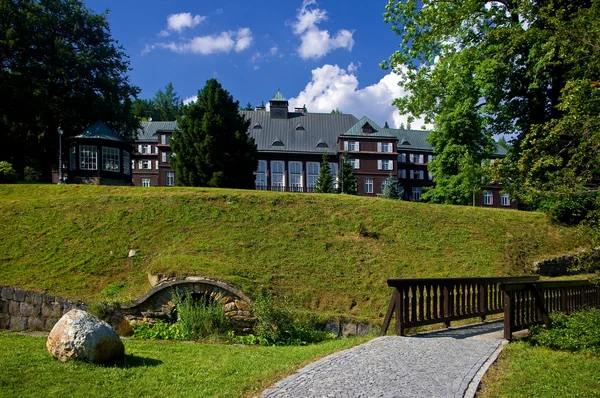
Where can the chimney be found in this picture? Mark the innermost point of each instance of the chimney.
(261, 108)
(299, 110)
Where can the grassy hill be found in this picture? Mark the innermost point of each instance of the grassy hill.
(326, 253)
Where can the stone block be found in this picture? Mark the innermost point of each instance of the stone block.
(27, 309)
(349, 329)
(35, 323)
(34, 298)
(240, 305)
(53, 310)
(7, 293)
(3, 306)
(19, 295)
(332, 326)
(4, 321)
(364, 329)
(226, 300)
(18, 323)
(230, 307)
(231, 313)
(14, 308)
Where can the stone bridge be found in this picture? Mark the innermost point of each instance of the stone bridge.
(158, 302)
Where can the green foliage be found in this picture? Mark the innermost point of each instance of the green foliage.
(347, 180)
(167, 103)
(31, 174)
(277, 326)
(160, 330)
(386, 125)
(248, 107)
(325, 179)
(212, 144)
(579, 331)
(391, 188)
(60, 67)
(201, 318)
(8, 175)
(336, 111)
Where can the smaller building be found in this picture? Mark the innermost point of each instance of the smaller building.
(99, 156)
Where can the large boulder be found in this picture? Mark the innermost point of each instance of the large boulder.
(83, 336)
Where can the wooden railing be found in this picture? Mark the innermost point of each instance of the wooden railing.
(530, 303)
(419, 302)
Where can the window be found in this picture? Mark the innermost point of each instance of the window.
(164, 156)
(416, 193)
(170, 177)
(145, 148)
(355, 163)
(505, 199)
(417, 174)
(383, 184)
(402, 173)
(312, 175)
(351, 146)
(430, 176)
(156, 164)
(145, 181)
(295, 170)
(73, 158)
(334, 173)
(145, 165)
(384, 147)
(402, 158)
(126, 163)
(368, 185)
(488, 198)
(429, 158)
(416, 158)
(110, 159)
(133, 165)
(385, 165)
(277, 176)
(261, 175)
(88, 156)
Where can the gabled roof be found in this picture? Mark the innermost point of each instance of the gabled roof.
(100, 130)
(378, 132)
(322, 144)
(148, 130)
(278, 96)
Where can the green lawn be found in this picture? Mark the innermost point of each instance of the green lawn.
(153, 369)
(526, 371)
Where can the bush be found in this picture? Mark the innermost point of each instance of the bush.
(31, 174)
(157, 331)
(201, 318)
(8, 175)
(579, 331)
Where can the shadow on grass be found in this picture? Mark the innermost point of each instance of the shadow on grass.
(133, 361)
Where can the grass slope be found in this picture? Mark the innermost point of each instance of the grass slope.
(326, 253)
(153, 369)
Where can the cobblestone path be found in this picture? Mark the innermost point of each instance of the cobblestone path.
(437, 364)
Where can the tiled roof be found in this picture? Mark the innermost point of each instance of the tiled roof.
(147, 131)
(100, 130)
(320, 134)
(278, 96)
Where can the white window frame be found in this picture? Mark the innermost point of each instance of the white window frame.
(402, 158)
(295, 176)
(145, 165)
(352, 146)
(312, 174)
(260, 181)
(334, 168)
(488, 198)
(126, 163)
(386, 147)
(355, 163)
(277, 173)
(145, 181)
(88, 157)
(429, 158)
(416, 193)
(145, 148)
(111, 159)
(163, 139)
(164, 156)
(368, 185)
(504, 199)
(170, 178)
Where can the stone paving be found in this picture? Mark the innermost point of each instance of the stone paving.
(435, 364)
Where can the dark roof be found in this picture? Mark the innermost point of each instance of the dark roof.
(100, 130)
(319, 128)
(278, 96)
(147, 131)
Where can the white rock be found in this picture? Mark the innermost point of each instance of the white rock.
(131, 253)
(81, 335)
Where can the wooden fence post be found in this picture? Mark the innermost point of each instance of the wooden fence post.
(563, 299)
(447, 304)
(400, 312)
(509, 316)
(388, 314)
(483, 300)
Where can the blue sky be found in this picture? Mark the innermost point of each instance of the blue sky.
(324, 54)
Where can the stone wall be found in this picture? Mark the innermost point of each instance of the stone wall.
(26, 310)
(584, 261)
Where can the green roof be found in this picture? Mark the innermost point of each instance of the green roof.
(100, 130)
(378, 132)
(278, 97)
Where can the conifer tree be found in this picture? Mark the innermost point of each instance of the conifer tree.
(212, 147)
(391, 188)
(386, 125)
(348, 181)
(325, 180)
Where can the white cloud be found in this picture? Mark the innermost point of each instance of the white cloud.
(189, 100)
(178, 22)
(332, 87)
(353, 68)
(223, 42)
(273, 50)
(316, 43)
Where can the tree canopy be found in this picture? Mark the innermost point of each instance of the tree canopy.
(212, 145)
(346, 176)
(165, 105)
(325, 179)
(477, 69)
(59, 66)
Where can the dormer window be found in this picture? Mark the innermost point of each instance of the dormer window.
(367, 129)
(299, 127)
(257, 126)
(322, 144)
(277, 142)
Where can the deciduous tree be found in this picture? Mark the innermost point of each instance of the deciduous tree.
(212, 147)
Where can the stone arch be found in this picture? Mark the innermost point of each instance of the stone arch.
(158, 302)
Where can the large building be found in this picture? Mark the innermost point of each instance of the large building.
(291, 146)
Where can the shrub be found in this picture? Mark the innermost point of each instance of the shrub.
(579, 331)
(158, 331)
(30, 174)
(201, 318)
(8, 175)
